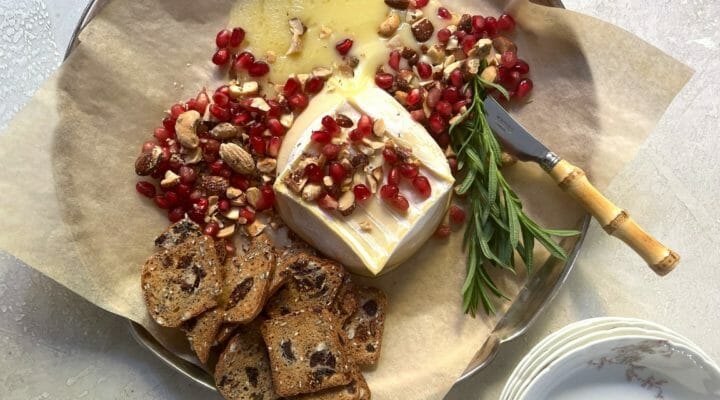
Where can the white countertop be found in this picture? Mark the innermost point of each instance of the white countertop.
(55, 345)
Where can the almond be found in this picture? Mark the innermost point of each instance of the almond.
(346, 203)
(171, 179)
(224, 130)
(237, 158)
(423, 30)
(213, 185)
(253, 196)
(503, 44)
(186, 129)
(147, 162)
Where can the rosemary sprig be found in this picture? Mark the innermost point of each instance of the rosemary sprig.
(498, 227)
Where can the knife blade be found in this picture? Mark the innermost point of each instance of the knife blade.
(515, 138)
(614, 220)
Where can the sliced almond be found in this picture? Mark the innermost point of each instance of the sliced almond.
(489, 73)
(239, 201)
(253, 196)
(297, 29)
(287, 120)
(260, 104)
(233, 213)
(255, 228)
(359, 178)
(377, 173)
(372, 183)
(171, 179)
(322, 72)
(379, 127)
(311, 192)
(226, 231)
(246, 89)
(233, 193)
(346, 203)
(450, 68)
(325, 32)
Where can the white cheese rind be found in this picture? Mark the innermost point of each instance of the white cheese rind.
(394, 236)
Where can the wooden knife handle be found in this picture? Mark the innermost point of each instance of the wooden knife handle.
(614, 220)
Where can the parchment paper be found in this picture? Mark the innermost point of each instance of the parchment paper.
(68, 207)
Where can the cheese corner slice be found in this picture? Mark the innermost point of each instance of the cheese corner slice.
(394, 236)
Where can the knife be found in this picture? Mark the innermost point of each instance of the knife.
(614, 220)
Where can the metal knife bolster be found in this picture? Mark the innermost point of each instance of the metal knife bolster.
(515, 138)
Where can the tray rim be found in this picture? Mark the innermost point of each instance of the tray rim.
(204, 378)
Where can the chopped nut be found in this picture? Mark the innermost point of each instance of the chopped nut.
(297, 29)
(346, 203)
(365, 226)
(398, 4)
(503, 44)
(436, 54)
(448, 60)
(453, 43)
(507, 159)
(267, 165)
(296, 180)
(327, 181)
(401, 97)
(270, 56)
(377, 173)
(311, 192)
(226, 231)
(358, 178)
(489, 73)
(237, 158)
(302, 78)
(148, 161)
(472, 65)
(253, 196)
(224, 130)
(233, 213)
(246, 89)
(287, 120)
(450, 68)
(233, 193)
(260, 104)
(239, 201)
(325, 32)
(379, 127)
(255, 228)
(390, 25)
(171, 179)
(422, 30)
(322, 72)
(481, 49)
(186, 129)
(375, 145)
(413, 15)
(372, 183)
(193, 156)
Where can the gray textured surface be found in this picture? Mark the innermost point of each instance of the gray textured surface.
(57, 346)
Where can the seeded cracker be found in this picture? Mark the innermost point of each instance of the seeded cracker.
(247, 280)
(178, 233)
(243, 369)
(203, 331)
(296, 251)
(181, 282)
(357, 389)
(307, 353)
(346, 302)
(365, 328)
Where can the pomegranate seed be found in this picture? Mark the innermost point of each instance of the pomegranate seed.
(456, 78)
(298, 101)
(361, 192)
(408, 171)
(314, 173)
(314, 84)
(221, 57)
(436, 123)
(146, 189)
(524, 87)
(457, 107)
(393, 177)
(508, 59)
(343, 46)
(258, 145)
(389, 191)
(394, 60)
(211, 229)
(444, 109)
(190, 104)
(176, 110)
(187, 175)
(161, 202)
(169, 124)
(212, 146)
(399, 202)
(421, 3)
(355, 135)
(275, 127)
(176, 214)
(522, 67)
(453, 163)
(330, 124)
(444, 13)
(443, 140)
(451, 95)
(216, 167)
(443, 231)
(478, 24)
(248, 214)
(240, 182)
(384, 80)
(414, 98)
(460, 35)
(491, 26)
(244, 60)
(256, 129)
(331, 151)
(276, 109)
(468, 42)
(506, 23)
(512, 80)
(292, 85)
(201, 102)
(161, 134)
(224, 89)
(321, 137)
(457, 214)
(219, 112)
(422, 185)
(222, 39)
(365, 125)
(237, 37)
(197, 216)
(326, 202)
(221, 99)
(424, 70)
(183, 191)
(443, 35)
(390, 155)
(337, 172)
(418, 115)
(148, 146)
(259, 68)
(273, 146)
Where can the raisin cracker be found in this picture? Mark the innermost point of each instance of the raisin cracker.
(247, 280)
(364, 329)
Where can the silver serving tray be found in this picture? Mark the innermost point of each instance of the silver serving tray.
(531, 301)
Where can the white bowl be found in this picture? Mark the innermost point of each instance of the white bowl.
(634, 367)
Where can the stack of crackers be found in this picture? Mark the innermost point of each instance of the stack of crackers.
(290, 323)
